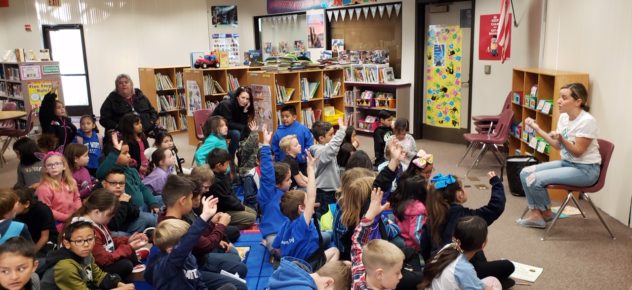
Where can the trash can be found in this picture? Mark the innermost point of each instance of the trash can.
(514, 166)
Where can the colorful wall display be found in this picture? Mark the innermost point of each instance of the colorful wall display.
(442, 98)
(36, 92)
(488, 48)
(316, 30)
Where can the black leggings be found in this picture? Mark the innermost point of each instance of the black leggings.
(122, 267)
(500, 269)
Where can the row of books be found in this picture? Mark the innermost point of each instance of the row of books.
(163, 82)
(233, 83)
(183, 122)
(332, 87)
(167, 103)
(369, 73)
(310, 116)
(179, 81)
(283, 94)
(12, 74)
(11, 90)
(211, 105)
(308, 89)
(168, 122)
(212, 86)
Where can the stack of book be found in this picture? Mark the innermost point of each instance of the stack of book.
(166, 103)
(168, 122)
(212, 86)
(283, 94)
(163, 82)
(183, 122)
(332, 87)
(233, 83)
(308, 89)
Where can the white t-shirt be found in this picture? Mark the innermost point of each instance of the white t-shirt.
(584, 126)
(459, 274)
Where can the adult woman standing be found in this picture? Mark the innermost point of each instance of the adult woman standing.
(125, 99)
(576, 138)
(237, 111)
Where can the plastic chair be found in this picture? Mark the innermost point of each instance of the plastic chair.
(605, 150)
(15, 134)
(489, 141)
(485, 123)
(199, 118)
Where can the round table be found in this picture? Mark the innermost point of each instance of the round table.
(8, 115)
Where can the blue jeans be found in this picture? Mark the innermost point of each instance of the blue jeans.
(555, 172)
(230, 261)
(144, 220)
(234, 136)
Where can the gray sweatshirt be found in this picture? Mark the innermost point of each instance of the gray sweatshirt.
(28, 175)
(327, 171)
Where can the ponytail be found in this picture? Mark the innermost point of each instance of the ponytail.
(156, 157)
(438, 263)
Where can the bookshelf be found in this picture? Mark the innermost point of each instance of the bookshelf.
(305, 90)
(205, 88)
(547, 85)
(364, 101)
(164, 88)
(26, 83)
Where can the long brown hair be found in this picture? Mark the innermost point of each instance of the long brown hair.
(101, 199)
(354, 195)
(578, 92)
(438, 202)
(212, 126)
(73, 151)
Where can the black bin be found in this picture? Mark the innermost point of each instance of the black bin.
(514, 166)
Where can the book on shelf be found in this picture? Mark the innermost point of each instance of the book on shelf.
(283, 94)
(278, 113)
(167, 102)
(183, 122)
(163, 82)
(212, 86)
(179, 82)
(332, 87)
(308, 117)
(308, 89)
(233, 82)
(168, 122)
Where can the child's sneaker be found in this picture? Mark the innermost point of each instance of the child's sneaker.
(142, 253)
(139, 268)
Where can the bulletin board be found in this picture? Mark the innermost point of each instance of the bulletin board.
(442, 98)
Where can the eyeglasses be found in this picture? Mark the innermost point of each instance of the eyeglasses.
(122, 183)
(82, 242)
(53, 165)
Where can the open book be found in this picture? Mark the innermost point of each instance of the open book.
(526, 272)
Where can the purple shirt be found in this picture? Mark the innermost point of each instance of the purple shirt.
(156, 180)
(84, 182)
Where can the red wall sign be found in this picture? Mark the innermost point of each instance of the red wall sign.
(487, 43)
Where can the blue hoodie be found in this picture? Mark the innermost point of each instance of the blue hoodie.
(290, 275)
(304, 136)
(178, 269)
(269, 196)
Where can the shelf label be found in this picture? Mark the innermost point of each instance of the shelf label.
(50, 69)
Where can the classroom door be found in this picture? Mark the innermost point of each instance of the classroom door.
(446, 71)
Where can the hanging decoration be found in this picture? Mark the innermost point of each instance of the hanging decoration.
(357, 11)
(397, 8)
(373, 9)
(389, 9)
(381, 10)
(365, 12)
(329, 13)
(350, 14)
(343, 12)
(336, 12)
(442, 99)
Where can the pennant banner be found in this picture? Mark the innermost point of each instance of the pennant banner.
(336, 12)
(350, 14)
(397, 8)
(389, 9)
(357, 11)
(381, 10)
(343, 13)
(373, 9)
(329, 13)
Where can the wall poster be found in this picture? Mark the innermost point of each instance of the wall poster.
(228, 42)
(488, 38)
(36, 92)
(262, 96)
(442, 98)
(224, 16)
(316, 30)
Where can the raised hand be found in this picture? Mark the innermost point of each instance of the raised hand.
(311, 160)
(341, 124)
(209, 207)
(376, 207)
(491, 174)
(115, 141)
(253, 126)
(267, 136)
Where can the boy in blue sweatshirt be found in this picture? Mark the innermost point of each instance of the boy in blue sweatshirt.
(175, 267)
(289, 126)
(295, 274)
(274, 181)
(327, 170)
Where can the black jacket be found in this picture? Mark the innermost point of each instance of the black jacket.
(61, 127)
(115, 106)
(379, 143)
(222, 189)
(126, 213)
(234, 114)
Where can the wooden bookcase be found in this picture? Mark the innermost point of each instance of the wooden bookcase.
(214, 84)
(267, 89)
(549, 83)
(164, 88)
(391, 96)
(26, 83)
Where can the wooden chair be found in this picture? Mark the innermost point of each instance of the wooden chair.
(605, 150)
(11, 134)
(199, 118)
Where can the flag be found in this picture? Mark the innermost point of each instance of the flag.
(504, 30)
(4, 3)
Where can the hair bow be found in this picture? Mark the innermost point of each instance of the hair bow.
(442, 181)
(423, 159)
(44, 156)
(80, 219)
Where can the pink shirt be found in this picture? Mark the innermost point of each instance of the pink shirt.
(411, 227)
(63, 203)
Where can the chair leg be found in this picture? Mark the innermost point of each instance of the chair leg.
(557, 216)
(477, 160)
(526, 210)
(576, 202)
(469, 147)
(585, 195)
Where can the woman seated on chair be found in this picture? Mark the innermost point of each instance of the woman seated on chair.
(576, 138)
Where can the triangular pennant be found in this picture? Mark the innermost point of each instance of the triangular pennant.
(373, 9)
(350, 14)
(287, 19)
(329, 15)
(397, 8)
(294, 16)
(389, 9)
(381, 9)
(336, 13)
(357, 11)
(365, 12)
(343, 13)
